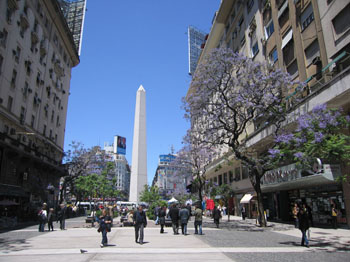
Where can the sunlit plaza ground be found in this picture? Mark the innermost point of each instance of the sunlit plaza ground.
(236, 240)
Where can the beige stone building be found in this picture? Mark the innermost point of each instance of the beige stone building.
(309, 39)
(37, 54)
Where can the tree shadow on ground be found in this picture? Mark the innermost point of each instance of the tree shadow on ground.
(10, 245)
(329, 244)
(249, 226)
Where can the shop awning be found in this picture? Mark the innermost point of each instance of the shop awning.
(246, 198)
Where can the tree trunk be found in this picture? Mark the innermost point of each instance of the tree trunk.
(262, 220)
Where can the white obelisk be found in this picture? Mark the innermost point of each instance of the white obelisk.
(138, 177)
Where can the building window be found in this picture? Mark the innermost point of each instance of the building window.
(250, 5)
(292, 69)
(16, 54)
(215, 179)
(55, 39)
(1, 61)
(283, 15)
(28, 66)
(245, 173)
(306, 17)
(32, 121)
(273, 56)
(56, 138)
(311, 52)
(44, 130)
(22, 115)
(9, 103)
(57, 121)
(230, 176)
(220, 180)
(13, 79)
(237, 173)
(341, 22)
(288, 53)
(269, 29)
(52, 115)
(225, 178)
(255, 49)
(3, 38)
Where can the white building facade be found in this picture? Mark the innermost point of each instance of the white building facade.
(37, 54)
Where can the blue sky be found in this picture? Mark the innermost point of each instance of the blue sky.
(125, 44)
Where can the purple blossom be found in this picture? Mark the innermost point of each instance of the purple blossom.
(299, 154)
(303, 122)
(318, 137)
(319, 108)
(273, 152)
(284, 138)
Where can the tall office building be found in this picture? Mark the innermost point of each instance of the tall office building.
(171, 180)
(196, 40)
(116, 151)
(74, 12)
(37, 54)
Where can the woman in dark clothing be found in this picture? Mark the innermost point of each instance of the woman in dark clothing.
(50, 219)
(216, 216)
(303, 226)
(105, 226)
(161, 216)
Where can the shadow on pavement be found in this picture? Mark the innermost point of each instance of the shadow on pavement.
(12, 245)
(325, 244)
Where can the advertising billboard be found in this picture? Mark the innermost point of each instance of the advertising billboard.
(121, 145)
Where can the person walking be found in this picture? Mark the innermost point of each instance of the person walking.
(62, 216)
(156, 214)
(140, 222)
(189, 208)
(216, 216)
(184, 216)
(295, 212)
(105, 222)
(174, 215)
(162, 215)
(303, 226)
(42, 216)
(334, 217)
(50, 219)
(198, 220)
(243, 212)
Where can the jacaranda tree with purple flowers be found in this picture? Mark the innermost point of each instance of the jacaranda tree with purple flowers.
(194, 158)
(322, 133)
(229, 95)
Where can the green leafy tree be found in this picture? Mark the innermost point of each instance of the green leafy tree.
(151, 196)
(87, 186)
(224, 192)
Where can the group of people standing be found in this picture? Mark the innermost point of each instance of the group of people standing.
(48, 215)
(181, 216)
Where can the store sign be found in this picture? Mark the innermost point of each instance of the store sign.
(282, 174)
(292, 173)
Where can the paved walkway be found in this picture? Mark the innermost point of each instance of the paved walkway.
(327, 239)
(67, 245)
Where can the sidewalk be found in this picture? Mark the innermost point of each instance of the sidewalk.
(336, 239)
(67, 245)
